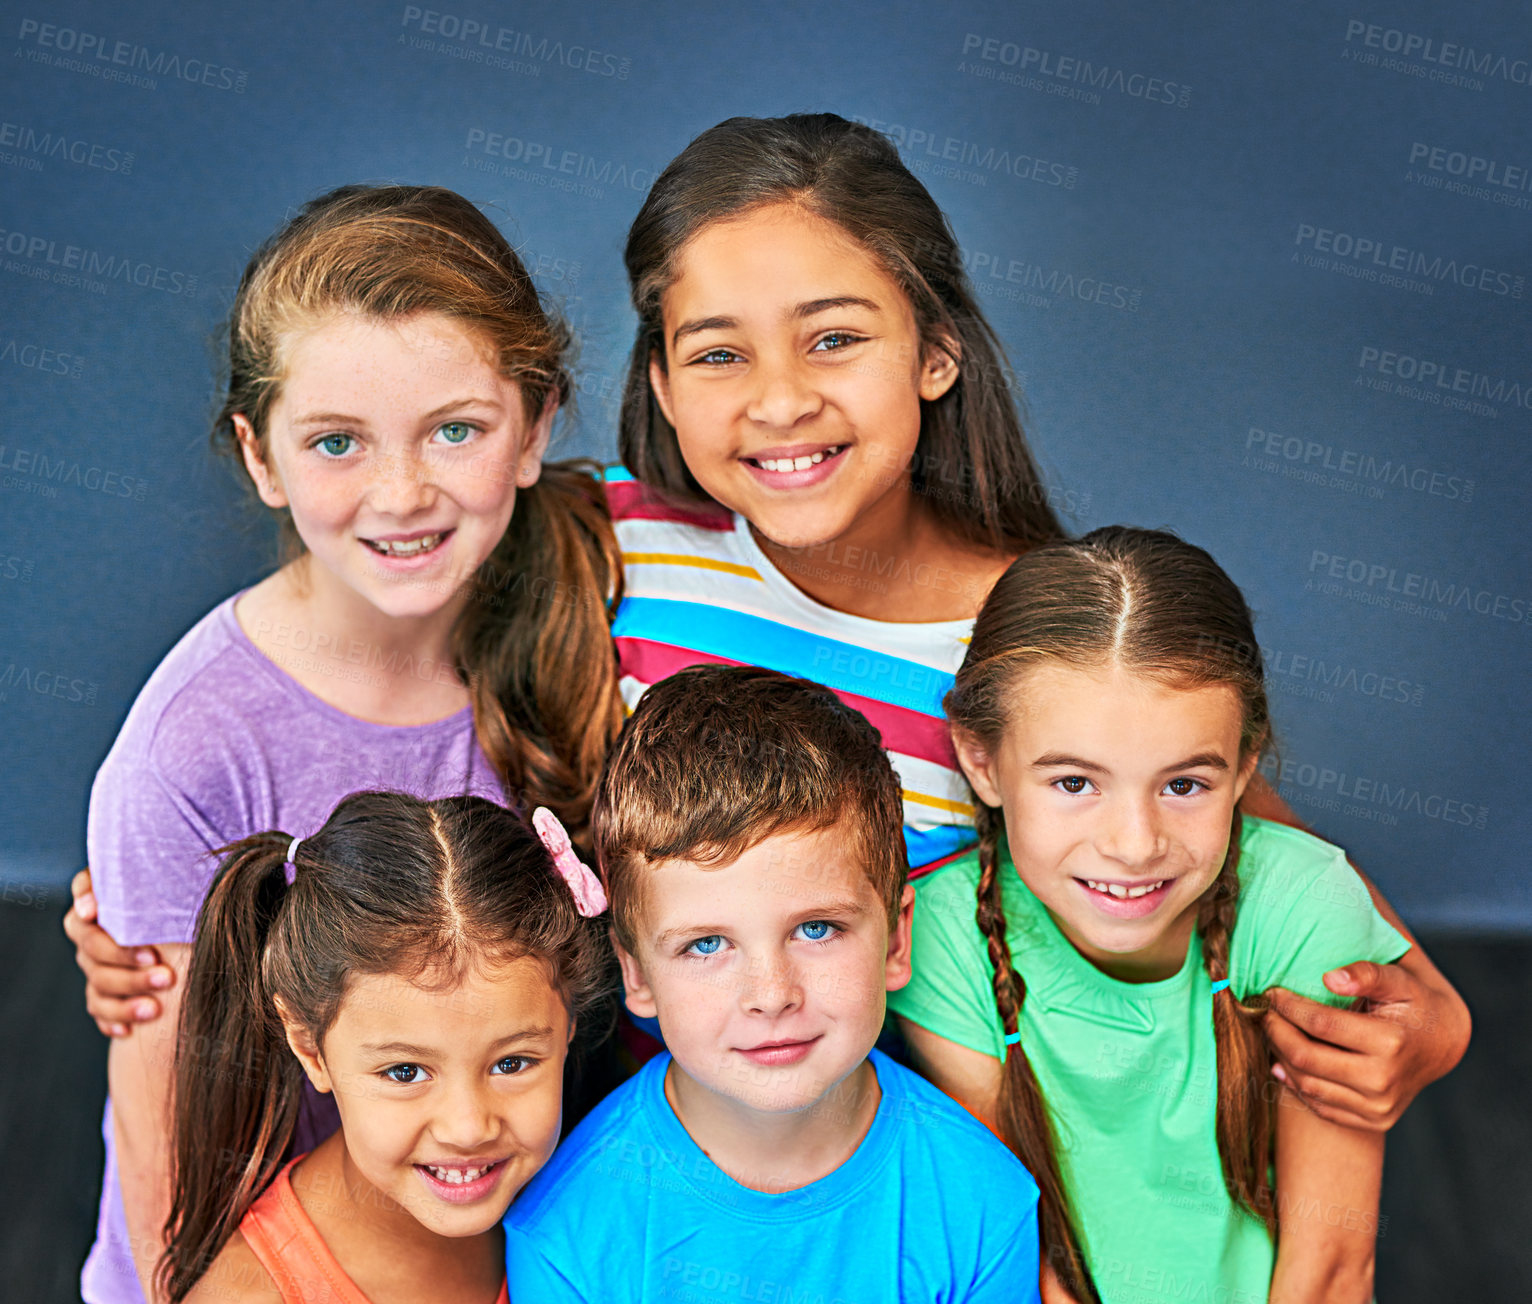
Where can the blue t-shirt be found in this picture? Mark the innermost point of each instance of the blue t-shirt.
(930, 1207)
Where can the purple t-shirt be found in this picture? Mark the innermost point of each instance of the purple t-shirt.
(220, 744)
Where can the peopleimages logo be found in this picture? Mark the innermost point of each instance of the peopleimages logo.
(487, 37)
(923, 145)
(1065, 74)
(114, 60)
(1381, 258)
(1442, 55)
(1450, 385)
(89, 268)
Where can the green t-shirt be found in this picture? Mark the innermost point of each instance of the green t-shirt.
(1129, 1070)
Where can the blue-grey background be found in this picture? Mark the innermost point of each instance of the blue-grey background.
(1186, 247)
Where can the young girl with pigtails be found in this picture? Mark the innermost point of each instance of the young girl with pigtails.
(425, 964)
(824, 474)
(441, 627)
(1088, 980)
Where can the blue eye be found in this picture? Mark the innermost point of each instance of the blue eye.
(517, 1063)
(456, 432)
(405, 1074)
(705, 945)
(817, 930)
(335, 445)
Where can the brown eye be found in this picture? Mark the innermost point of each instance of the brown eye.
(1073, 784)
(1184, 787)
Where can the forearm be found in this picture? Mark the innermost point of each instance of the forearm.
(1439, 1022)
(1328, 1182)
(140, 1073)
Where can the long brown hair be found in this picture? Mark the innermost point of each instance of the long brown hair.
(972, 464)
(533, 643)
(1158, 606)
(390, 884)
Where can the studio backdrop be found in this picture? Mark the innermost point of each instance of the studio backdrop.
(1261, 272)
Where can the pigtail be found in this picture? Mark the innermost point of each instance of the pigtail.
(1245, 1125)
(1020, 1111)
(237, 1086)
(536, 645)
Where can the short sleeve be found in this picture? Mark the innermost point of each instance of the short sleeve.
(150, 850)
(1303, 911)
(529, 1276)
(951, 989)
(1012, 1277)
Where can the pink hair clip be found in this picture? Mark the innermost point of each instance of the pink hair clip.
(589, 898)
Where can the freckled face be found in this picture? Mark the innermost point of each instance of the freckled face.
(768, 975)
(399, 448)
(793, 373)
(449, 1100)
(1118, 794)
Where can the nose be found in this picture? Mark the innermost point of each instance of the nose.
(771, 987)
(464, 1119)
(784, 393)
(401, 484)
(1133, 835)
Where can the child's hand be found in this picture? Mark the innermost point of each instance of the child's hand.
(1362, 1068)
(118, 980)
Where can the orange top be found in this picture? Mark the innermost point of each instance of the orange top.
(291, 1249)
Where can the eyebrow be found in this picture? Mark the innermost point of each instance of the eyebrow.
(1061, 760)
(346, 418)
(809, 308)
(425, 1052)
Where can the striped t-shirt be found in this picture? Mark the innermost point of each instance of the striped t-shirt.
(699, 591)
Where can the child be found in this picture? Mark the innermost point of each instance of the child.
(828, 475)
(1087, 979)
(393, 380)
(427, 964)
(747, 829)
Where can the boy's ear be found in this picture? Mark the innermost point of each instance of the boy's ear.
(939, 369)
(978, 766)
(659, 382)
(896, 967)
(636, 991)
(530, 464)
(301, 1042)
(266, 483)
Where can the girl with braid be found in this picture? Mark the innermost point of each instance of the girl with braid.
(1089, 979)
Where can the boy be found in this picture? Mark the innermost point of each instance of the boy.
(748, 831)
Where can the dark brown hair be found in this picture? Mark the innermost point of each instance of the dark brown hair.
(533, 643)
(1154, 605)
(972, 464)
(717, 758)
(389, 885)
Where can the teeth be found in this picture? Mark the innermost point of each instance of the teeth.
(1123, 893)
(405, 549)
(796, 463)
(457, 1176)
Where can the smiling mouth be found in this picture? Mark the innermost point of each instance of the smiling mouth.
(803, 463)
(460, 1176)
(407, 547)
(1121, 891)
